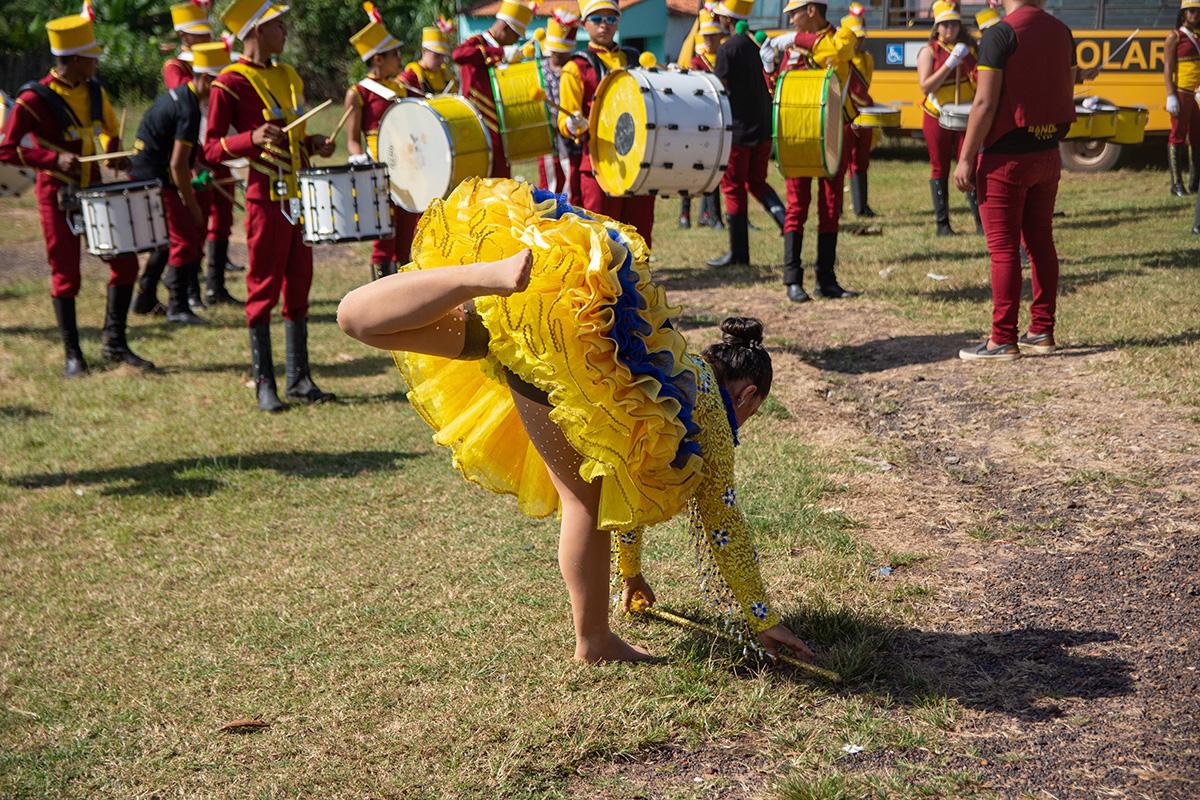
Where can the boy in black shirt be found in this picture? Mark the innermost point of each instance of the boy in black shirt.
(166, 143)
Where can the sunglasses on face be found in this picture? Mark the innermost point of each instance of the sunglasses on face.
(603, 19)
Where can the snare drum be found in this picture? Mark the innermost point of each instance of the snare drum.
(806, 123)
(123, 217)
(430, 146)
(348, 203)
(1081, 128)
(1104, 121)
(659, 132)
(525, 124)
(1131, 124)
(954, 116)
(878, 117)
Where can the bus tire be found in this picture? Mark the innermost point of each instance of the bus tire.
(1092, 155)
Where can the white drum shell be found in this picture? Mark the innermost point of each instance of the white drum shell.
(15, 180)
(345, 204)
(123, 218)
(954, 116)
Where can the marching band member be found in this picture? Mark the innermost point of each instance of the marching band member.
(1023, 107)
(1181, 71)
(257, 97)
(946, 73)
(167, 140)
(431, 73)
(64, 114)
(476, 56)
(577, 90)
(559, 171)
(862, 69)
(739, 67)
(813, 44)
(366, 102)
(705, 60)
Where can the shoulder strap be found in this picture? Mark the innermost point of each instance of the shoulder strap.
(274, 107)
(1196, 45)
(62, 111)
(631, 56)
(375, 87)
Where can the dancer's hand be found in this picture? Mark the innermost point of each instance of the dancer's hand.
(633, 587)
(772, 638)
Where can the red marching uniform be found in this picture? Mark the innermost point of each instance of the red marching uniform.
(475, 57)
(944, 144)
(858, 143)
(1185, 126)
(374, 104)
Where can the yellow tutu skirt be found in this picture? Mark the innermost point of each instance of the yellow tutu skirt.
(592, 331)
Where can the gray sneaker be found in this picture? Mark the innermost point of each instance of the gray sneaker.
(1040, 344)
(981, 352)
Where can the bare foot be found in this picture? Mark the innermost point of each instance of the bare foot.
(612, 648)
(509, 275)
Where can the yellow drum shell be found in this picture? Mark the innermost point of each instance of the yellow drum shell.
(1081, 128)
(525, 124)
(878, 117)
(1104, 121)
(806, 124)
(1131, 124)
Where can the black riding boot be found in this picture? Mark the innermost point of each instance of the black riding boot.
(858, 195)
(685, 211)
(710, 210)
(264, 368)
(1175, 156)
(64, 311)
(739, 244)
(114, 347)
(146, 301)
(939, 188)
(973, 204)
(774, 207)
(382, 270)
(1194, 170)
(178, 309)
(215, 292)
(1196, 222)
(827, 285)
(300, 384)
(793, 269)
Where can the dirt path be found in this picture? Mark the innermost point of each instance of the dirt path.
(1061, 518)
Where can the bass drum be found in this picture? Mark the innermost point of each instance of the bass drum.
(430, 146)
(658, 132)
(524, 122)
(806, 123)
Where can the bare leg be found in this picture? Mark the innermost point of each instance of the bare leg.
(583, 551)
(419, 311)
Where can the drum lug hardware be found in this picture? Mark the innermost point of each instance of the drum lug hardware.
(668, 165)
(645, 89)
(671, 126)
(728, 127)
(705, 127)
(699, 166)
(651, 126)
(668, 90)
(644, 165)
(699, 93)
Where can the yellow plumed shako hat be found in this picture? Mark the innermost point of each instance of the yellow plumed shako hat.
(945, 11)
(708, 23)
(738, 9)
(73, 36)
(854, 20)
(517, 14)
(1185, 4)
(190, 18)
(210, 58)
(374, 38)
(990, 16)
(434, 40)
(561, 30)
(243, 16)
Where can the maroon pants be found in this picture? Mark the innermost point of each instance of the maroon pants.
(397, 247)
(187, 238)
(1016, 201)
(746, 170)
(943, 146)
(218, 206)
(552, 175)
(829, 209)
(500, 167)
(1185, 126)
(636, 211)
(62, 246)
(280, 263)
(858, 143)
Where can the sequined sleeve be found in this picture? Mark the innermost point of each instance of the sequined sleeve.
(628, 546)
(725, 548)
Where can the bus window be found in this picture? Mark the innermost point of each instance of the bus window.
(1132, 14)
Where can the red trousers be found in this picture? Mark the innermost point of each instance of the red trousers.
(280, 262)
(398, 247)
(858, 144)
(552, 175)
(943, 146)
(1016, 201)
(62, 246)
(218, 207)
(187, 238)
(746, 170)
(829, 209)
(1185, 126)
(500, 167)
(636, 211)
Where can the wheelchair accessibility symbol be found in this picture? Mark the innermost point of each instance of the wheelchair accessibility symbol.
(895, 55)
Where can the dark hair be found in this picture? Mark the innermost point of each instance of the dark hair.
(964, 35)
(740, 354)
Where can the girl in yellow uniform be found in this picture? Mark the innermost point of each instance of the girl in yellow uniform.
(538, 348)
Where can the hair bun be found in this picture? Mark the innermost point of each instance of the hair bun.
(742, 331)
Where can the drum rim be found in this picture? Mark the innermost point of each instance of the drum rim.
(105, 189)
(339, 169)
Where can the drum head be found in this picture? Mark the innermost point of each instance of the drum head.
(415, 144)
(831, 123)
(617, 140)
(14, 180)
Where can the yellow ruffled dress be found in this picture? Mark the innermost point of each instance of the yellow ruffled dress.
(592, 331)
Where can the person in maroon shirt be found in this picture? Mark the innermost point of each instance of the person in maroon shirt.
(1023, 107)
(257, 97)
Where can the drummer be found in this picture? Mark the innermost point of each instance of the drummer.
(476, 56)
(946, 74)
(862, 69)
(431, 72)
(1181, 71)
(813, 44)
(705, 60)
(167, 140)
(260, 87)
(365, 103)
(559, 171)
(64, 114)
(577, 90)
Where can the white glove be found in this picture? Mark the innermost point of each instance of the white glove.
(1091, 103)
(358, 158)
(957, 55)
(1173, 105)
(577, 125)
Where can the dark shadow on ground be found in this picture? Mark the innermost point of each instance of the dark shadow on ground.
(702, 277)
(21, 411)
(355, 368)
(884, 354)
(1068, 283)
(203, 476)
(86, 332)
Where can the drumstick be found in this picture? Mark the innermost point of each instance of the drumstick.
(306, 115)
(107, 156)
(538, 93)
(956, 85)
(121, 127)
(1124, 44)
(338, 128)
(449, 85)
(216, 185)
(412, 88)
